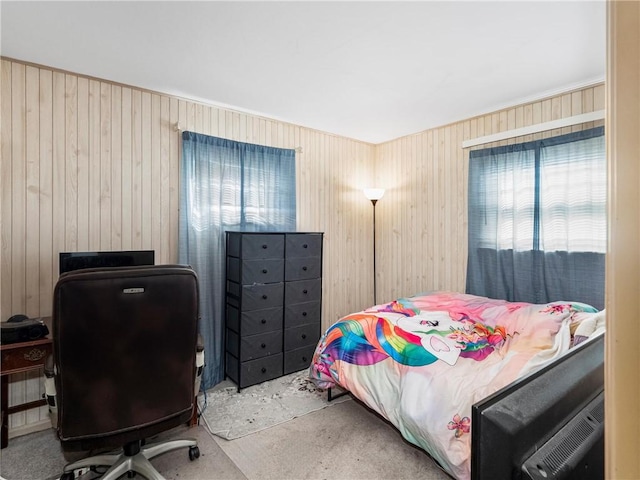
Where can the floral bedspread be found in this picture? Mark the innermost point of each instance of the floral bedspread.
(422, 362)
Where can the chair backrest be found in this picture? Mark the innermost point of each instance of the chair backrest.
(124, 344)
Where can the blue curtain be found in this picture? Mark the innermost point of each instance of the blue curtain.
(227, 185)
(537, 220)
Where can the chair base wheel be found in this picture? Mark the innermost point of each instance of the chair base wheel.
(194, 452)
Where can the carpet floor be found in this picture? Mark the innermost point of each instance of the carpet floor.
(38, 456)
(346, 441)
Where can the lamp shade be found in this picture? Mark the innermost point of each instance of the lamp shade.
(374, 193)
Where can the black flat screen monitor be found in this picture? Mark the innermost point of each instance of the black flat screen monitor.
(548, 425)
(70, 261)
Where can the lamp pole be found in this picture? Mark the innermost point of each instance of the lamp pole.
(374, 194)
(374, 201)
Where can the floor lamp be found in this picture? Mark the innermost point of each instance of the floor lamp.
(374, 194)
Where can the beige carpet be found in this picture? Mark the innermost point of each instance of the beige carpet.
(230, 414)
(38, 456)
(345, 442)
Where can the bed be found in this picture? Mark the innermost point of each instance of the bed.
(422, 362)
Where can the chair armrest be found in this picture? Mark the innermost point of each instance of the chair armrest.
(49, 368)
(199, 363)
(50, 390)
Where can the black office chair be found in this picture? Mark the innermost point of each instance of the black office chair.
(124, 355)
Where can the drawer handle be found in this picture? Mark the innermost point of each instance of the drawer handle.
(264, 270)
(263, 321)
(304, 268)
(264, 345)
(264, 297)
(304, 314)
(264, 370)
(304, 291)
(264, 246)
(304, 335)
(35, 354)
(304, 245)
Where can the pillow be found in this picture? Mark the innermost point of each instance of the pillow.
(587, 325)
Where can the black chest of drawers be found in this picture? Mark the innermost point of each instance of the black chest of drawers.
(273, 303)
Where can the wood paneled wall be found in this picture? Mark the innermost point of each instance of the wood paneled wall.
(93, 165)
(422, 219)
(89, 164)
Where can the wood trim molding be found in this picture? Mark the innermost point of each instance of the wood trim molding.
(540, 127)
(622, 358)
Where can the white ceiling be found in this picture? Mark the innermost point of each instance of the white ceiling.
(373, 71)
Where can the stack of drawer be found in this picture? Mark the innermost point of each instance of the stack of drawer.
(273, 299)
(302, 298)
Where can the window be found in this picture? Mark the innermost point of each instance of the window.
(537, 219)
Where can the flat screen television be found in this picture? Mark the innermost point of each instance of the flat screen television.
(70, 261)
(548, 425)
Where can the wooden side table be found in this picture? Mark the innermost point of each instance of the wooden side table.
(17, 358)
